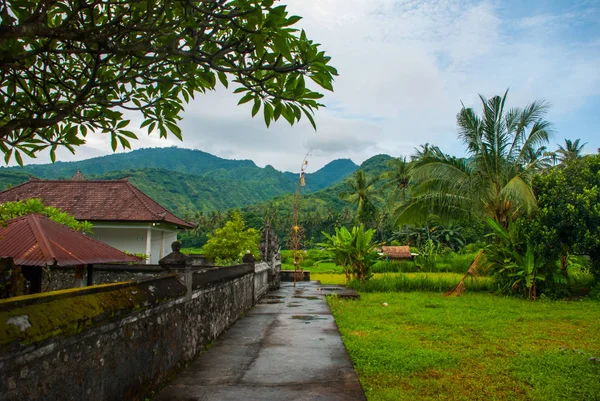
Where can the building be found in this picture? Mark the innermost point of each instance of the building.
(33, 242)
(123, 216)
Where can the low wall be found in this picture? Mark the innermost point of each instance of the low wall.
(117, 341)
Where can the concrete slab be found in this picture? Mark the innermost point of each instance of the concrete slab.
(287, 347)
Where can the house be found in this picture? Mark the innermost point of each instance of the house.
(123, 216)
(33, 242)
(396, 252)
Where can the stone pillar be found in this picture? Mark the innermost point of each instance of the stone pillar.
(180, 264)
(271, 253)
(148, 243)
(249, 260)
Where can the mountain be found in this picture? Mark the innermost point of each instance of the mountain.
(185, 180)
(186, 161)
(331, 173)
(324, 201)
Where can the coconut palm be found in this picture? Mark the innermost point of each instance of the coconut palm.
(570, 152)
(504, 151)
(397, 177)
(362, 192)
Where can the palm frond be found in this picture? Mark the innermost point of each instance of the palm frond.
(520, 191)
(473, 272)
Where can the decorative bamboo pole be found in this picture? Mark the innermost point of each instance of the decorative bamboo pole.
(297, 232)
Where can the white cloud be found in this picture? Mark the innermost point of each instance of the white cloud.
(405, 66)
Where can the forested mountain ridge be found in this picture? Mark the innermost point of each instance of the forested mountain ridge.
(186, 161)
(187, 181)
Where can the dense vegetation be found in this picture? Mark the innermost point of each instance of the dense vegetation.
(187, 181)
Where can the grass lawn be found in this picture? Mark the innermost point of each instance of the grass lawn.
(424, 346)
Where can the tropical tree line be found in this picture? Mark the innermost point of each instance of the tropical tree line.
(531, 210)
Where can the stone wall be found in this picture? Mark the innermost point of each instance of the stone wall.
(117, 341)
(62, 278)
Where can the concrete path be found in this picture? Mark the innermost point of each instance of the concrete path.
(287, 347)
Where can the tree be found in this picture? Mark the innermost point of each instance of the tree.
(568, 219)
(354, 251)
(571, 151)
(397, 178)
(11, 210)
(504, 152)
(230, 243)
(362, 192)
(72, 67)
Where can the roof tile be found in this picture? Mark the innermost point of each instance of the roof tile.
(109, 200)
(35, 240)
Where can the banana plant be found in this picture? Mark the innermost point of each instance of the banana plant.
(353, 250)
(512, 269)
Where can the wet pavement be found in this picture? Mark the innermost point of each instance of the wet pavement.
(287, 347)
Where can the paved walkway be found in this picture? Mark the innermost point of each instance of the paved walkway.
(287, 347)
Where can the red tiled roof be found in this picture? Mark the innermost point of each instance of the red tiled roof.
(110, 200)
(396, 252)
(35, 240)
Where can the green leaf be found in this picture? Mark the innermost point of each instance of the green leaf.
(268, 113)
(256, 106)
(123, 124)
(292, 20)
(249, 96)
(128, 134)
(18, 158)
(310, 118)
(223, 78)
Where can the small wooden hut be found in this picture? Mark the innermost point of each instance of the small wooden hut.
(396, 252)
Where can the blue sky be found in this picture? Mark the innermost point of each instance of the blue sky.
(405, 67)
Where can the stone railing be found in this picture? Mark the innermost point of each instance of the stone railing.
(120, 341)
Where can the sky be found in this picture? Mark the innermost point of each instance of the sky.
(405, 67)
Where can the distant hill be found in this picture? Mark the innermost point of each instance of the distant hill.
(185, 180)
(324, 201)
(185, 161)
(331, 173)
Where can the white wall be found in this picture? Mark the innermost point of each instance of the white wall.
(133, 238)
(161, 243)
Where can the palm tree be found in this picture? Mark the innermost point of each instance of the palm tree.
(397, 178)
(570, 152)
(362, 192)
(504, 151)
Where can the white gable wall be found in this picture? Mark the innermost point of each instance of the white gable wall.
(152, 239)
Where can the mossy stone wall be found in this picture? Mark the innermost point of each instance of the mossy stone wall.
(113, 342)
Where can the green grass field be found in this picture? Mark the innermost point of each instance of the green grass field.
(323, 267)
(424, 346)
(437, 282)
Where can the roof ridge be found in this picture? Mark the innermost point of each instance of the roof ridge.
(34, 223)
(137, 192)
